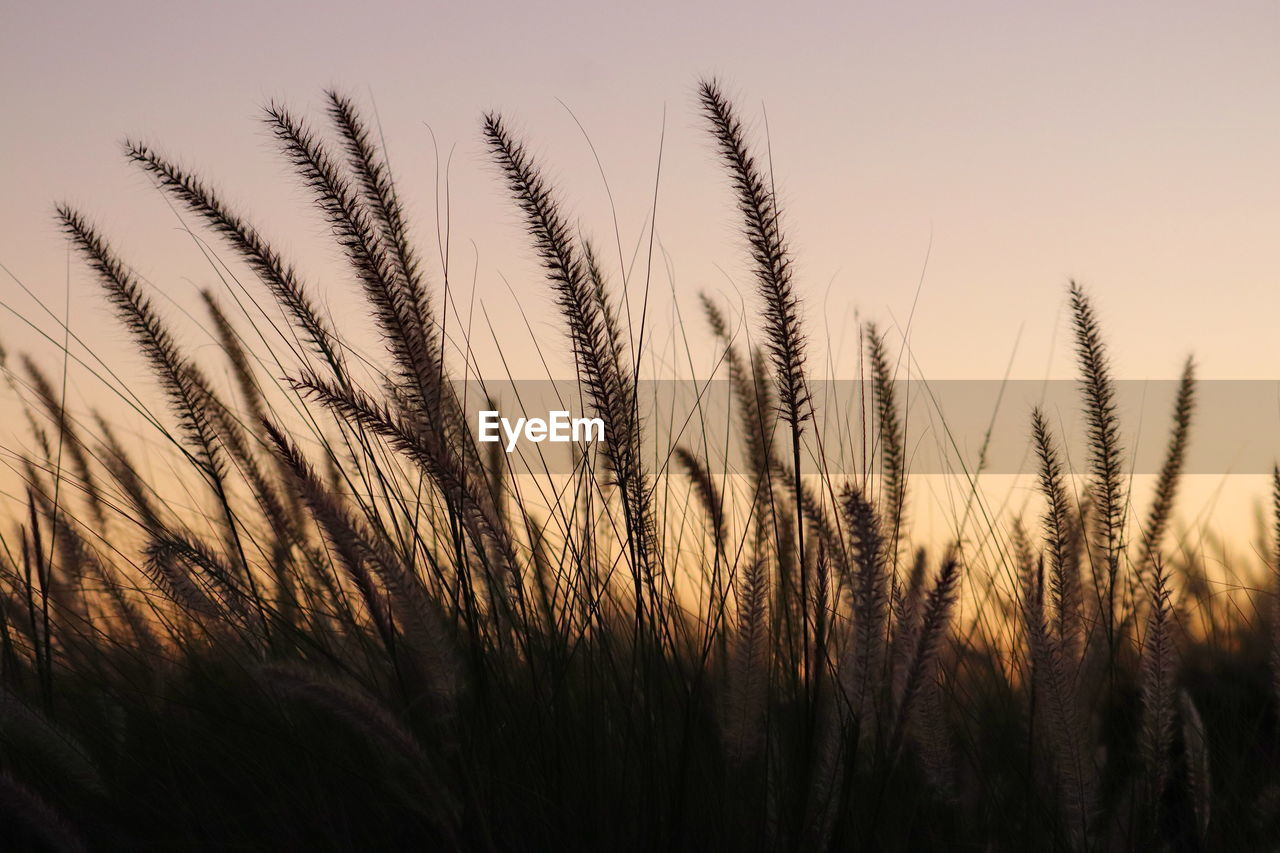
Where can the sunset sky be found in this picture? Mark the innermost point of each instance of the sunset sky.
(1014, 145)
(984, 153)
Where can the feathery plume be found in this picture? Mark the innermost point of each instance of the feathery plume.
(1104, 451)
(1064, 577)
(594, 338)
(1158, 690)
(276, 273)
(889, 432)
(1170, 473)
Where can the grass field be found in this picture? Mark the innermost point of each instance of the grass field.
(373, 632)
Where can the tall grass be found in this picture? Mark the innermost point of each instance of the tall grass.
(368, 634)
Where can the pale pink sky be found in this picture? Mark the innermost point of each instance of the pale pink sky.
(1131, 145)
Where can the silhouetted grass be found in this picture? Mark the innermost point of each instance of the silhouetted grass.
(370, 636)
